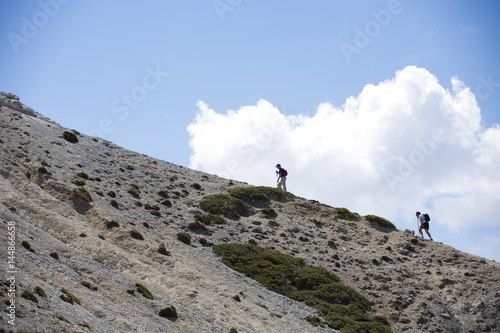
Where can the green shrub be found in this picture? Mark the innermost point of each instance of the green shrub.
(82, 193)
(315, 320)
(83, 175)
(209, 218)
(345, 214)
(42, 170)
(380, 221)
(332, 244)
(269, 213)
(79, 182)
(112, 194)
(163, 250)
(39, 290)
(29, 296)
(114, 203)
(184, 237)
(27, 246)
(409, 247)
(54, 255)
(252, 241)
(136, 235)
(224, 204)
(163, 194)
(414, 240)
(343, 308)
(70, 137)
(133, 191)
(203, 241)
(233, 330)
(259, 194)
(69, 297)
(144, 291)
(196, 186)
(28, 174)
(197, 226)
(166, 203)
(168, 312)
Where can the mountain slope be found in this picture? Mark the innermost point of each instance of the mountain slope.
(100, 220)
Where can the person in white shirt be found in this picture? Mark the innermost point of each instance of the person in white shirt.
(424, 224)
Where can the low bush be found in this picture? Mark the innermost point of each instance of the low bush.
(380, 221)
(184, 237)
(39, 290)
(70, 137)
(168, 312)
(342, 307)
(82, 193)
(345, 214)
(209, 218)
(69, 297)
(136, 235)
(29, 296)
(54, 255)
(224, 204)
(144, 291)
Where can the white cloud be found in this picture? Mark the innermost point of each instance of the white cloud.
(404, 144)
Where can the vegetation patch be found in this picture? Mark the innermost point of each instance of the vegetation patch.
(380, 221)
(166, 203)
(342, 307)
(69, 297)
(29, 296)
(345, 214)
(259, 194)
(184, 237)
(82, 194)
(134, 191)
(163, 194)
(54, 255)
(209, 218)
(224, 204)
(168, 312)
(136, 235)
(198, 227)
(163, 250)
(83, 175)
(269, 213)
(144, 291)
(39, 290)
(27, 246)
(70, 137)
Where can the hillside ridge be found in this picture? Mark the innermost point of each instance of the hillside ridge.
(93, 221)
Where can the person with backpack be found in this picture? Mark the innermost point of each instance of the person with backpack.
(424, 224)
(282, 173)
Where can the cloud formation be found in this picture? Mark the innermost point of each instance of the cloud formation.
(403, 144)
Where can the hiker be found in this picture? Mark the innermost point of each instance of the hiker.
(424, 224)
(282, 173)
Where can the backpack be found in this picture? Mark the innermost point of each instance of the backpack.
(285, 173)
(427, 218)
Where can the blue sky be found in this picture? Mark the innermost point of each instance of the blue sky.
(139, 73)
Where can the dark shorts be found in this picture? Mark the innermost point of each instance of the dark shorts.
(425, 226)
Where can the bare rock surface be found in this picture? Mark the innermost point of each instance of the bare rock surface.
(94, 220)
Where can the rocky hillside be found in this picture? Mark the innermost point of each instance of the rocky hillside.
(94, 232)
